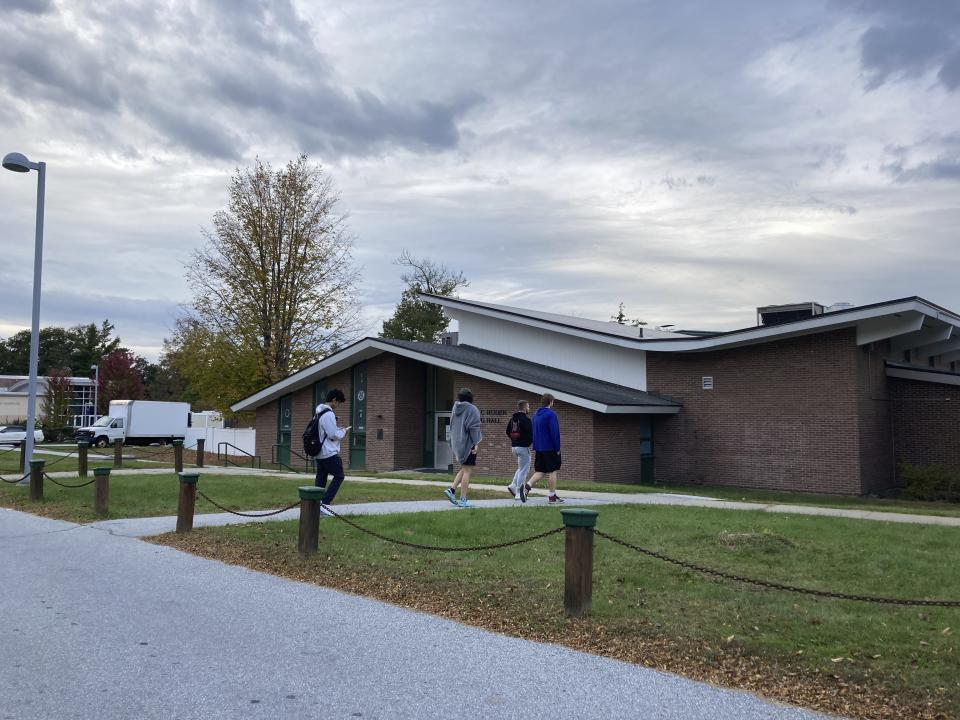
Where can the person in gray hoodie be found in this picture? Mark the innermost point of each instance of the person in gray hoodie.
(465, 435)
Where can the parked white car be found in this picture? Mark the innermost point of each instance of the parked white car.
(16, 434)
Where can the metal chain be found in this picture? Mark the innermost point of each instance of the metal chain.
(14, 482)
(439, 548)
(64, 485)
(243, 514)
(60, 459)
(775, 585)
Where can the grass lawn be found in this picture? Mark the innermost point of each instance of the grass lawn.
(149, 495)
(874, 504)
(854, 659)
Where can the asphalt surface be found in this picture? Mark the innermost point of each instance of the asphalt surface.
(97, 625)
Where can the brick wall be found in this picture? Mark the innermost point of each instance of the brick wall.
(782, 415)
(381, 401)
(616, 448)
(408, 414)
(266, 425)
(926, 423)
(876, 447)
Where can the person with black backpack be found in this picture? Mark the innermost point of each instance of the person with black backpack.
(321, 439)
(520, 432)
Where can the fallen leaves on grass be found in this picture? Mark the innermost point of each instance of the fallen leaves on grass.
(725, 665)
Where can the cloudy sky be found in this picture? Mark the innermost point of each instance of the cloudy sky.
(691, 159)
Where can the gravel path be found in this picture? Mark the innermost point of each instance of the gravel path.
(101, 626)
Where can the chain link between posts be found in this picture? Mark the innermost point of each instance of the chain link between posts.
(245, 514)
(775, 585)
(14, 482)
(441, 548)
(66, 485)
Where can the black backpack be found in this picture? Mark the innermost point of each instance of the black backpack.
(312, 442)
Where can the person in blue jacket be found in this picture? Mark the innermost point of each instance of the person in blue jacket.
(546, 445)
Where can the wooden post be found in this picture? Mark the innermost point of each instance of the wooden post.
(578, 580)
(36, 479)
(101, 490)
(309, 538)
(188, 498)
(23, 456)
(178, 456)
(200, 442)
(118, 453)
(82, 448)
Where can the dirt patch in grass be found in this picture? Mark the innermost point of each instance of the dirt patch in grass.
(637, 641)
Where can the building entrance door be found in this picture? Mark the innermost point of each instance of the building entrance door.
(442, 452)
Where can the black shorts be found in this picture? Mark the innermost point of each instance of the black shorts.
(471, 460)
(546, 461)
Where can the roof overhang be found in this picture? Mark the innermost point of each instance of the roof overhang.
(370, 347)
(913, 319)
(928, 375)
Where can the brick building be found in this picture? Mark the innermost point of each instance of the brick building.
(811, 398)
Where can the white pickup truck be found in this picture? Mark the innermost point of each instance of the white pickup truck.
(138, 422)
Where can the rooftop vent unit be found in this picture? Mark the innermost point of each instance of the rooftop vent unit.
(779, 314)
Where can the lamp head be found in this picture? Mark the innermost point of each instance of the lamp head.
(17, 162)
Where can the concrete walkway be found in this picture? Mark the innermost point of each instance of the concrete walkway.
(675, 499)
(107, 627)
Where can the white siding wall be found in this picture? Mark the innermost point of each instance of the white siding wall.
(585, 357)
(243, 438)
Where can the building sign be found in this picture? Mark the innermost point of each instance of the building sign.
(493, 417)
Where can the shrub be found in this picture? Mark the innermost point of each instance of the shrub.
(931, 482)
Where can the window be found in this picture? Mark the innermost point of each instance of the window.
(706, 382)
(932, 361)
(906, 356)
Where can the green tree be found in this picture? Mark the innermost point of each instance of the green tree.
(213, 372)
(163, 382)
(74, 349)
(621, 318)
(274, 287)
(415, 319)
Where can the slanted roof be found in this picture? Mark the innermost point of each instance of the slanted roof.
(530, 372)
(568, 387)
(910, 317)
(922, 373)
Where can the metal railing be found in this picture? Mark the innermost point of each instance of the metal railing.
(291, 453)
(225, 457)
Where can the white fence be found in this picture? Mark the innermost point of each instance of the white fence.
(243, 438)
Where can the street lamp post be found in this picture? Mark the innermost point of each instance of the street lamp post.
(96, 388)
(18, 163)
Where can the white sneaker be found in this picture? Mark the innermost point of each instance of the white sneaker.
(325, 512)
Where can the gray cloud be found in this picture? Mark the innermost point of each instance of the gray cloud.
(906, 40)
(191, 76)
(33, 7)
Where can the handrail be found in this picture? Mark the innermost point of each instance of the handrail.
(274, 459)
(226, 456)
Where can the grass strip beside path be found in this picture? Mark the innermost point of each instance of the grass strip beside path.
(855, 659)
(873, 504)
(152, 495)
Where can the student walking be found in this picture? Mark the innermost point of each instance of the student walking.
(465, 435)
(328, 461)
(520, 432)
(546, 445)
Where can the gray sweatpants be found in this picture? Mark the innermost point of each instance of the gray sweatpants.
(523, 466)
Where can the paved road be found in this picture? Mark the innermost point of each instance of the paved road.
(101, 626)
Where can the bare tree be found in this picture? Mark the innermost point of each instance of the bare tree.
(415, 319)
(276, 279)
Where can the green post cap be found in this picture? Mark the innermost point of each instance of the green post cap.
(83, 443)
(178, 442)
(189, 478)
(311, 492)
(38, 463)
(579, 517)
(101, 471)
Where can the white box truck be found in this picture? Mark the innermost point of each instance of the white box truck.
(138, 422)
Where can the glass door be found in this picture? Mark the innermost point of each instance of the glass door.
(442, 451)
